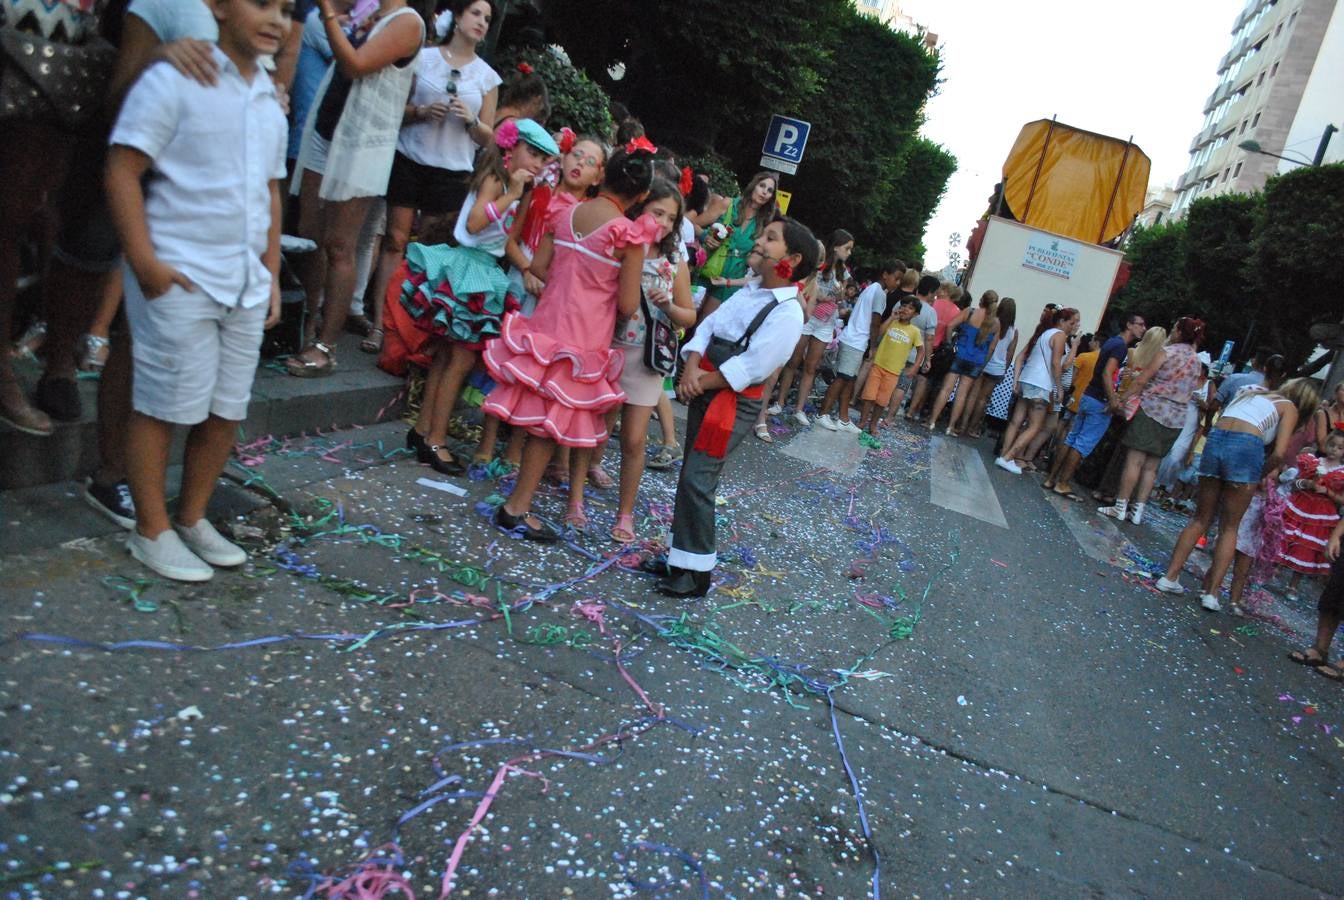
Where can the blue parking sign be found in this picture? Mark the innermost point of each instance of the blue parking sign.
(785, 140)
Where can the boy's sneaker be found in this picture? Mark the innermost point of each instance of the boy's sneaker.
(113, 501)
(169, 557)
(774, 410)
(801, 418)
(849, 427)
(827, 422)
(1169, 587)
(1008, 465)
(210, 545)
(1210, 602)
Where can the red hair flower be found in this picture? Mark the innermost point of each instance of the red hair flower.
(640, 143)
(506, 135)
(567, 139)
(784, 269)
(687, 181)
(524, 68)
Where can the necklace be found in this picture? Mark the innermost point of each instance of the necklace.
(612, 199)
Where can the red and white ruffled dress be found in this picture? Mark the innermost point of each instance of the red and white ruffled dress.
(555, 373)
(1309, 518)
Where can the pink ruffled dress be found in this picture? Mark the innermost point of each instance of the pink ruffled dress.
(555, 373)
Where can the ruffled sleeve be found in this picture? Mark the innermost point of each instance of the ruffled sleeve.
(557, 210)
(1306, 465)
(1334, 480)
(624, 233)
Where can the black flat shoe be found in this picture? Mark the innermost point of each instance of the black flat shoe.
(516, 527)
(685, 583)
(443, 466)
(414, 440)
(656, 565)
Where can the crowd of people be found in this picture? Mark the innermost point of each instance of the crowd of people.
(582, 273)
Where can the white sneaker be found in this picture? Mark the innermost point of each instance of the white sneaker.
(849, 427)
(1169, 587)
(169, 557)
(801, 418)
(210, 545)
(1115, 512)
(826, 421)
(774, 410)
(1136, 513)
(1008, 465)
(1210, 602)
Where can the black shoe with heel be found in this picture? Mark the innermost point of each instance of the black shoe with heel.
(517, 527)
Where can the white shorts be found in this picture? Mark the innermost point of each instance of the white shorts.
(848, 360)
(1031, 392)
(822, 331)
(193, 357)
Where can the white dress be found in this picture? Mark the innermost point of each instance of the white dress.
(360, 159)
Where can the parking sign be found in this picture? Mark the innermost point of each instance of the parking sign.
(785, 140)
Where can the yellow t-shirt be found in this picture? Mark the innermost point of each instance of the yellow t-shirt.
(898, 347)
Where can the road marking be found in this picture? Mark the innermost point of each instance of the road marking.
(961, 484)
(1099, 536)
(838, 451)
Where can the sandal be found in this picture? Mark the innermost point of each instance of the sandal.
(359, 325)
(1334, 673)
(93, 353)
(557, 474)
(374, 342)
(599, 478)
(665, 457)
(26, 418)
(577, 517)
(623, 532)
(763, 432)
(1302, 659)
(306, 368)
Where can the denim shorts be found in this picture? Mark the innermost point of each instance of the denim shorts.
(1089, 427)
(966, 367)
(1233, 456)
(1033, 394)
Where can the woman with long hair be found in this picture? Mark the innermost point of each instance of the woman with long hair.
(1037, 383)
(975, 344)
(1164, 388)
(346, 158)
(1236, 457)
(993, 373)
(733, 235)
(1109, 457)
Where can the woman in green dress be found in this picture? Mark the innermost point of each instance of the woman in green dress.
(745, 218)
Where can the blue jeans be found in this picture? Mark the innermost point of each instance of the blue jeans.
(1089, 426)
(1233, 456)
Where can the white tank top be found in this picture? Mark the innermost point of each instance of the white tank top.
(998, 363)
(493, 236)
(1255, 406)
(1037, 370)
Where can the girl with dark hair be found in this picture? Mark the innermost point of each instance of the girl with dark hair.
(1164, 388)
(996, 368)
(523, 96)
(1037, 382)
(665, 306)
(556, 374)
(346, 159)
(731, 238)
(459, 294)
(820, 329)
(446, 120)
(733, 352)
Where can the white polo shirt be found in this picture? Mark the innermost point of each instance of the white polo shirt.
(215, 152)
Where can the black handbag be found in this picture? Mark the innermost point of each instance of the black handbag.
(720, 350)
(660, 339)
(46, 80)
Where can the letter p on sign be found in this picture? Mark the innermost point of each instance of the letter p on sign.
(785, 140)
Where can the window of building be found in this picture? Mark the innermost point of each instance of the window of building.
(1278, 30)
(1261, 80)
(1273, 70)
(1236, 171)
(1226, 172)
(1256, 120)
(1244, 123)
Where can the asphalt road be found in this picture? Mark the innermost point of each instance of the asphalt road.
(1020, 712)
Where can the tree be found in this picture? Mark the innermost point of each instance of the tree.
(1218, 251)
(1296, 254)
(576, 101)
(1157, 286)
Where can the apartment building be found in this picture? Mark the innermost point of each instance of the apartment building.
(1262, 79)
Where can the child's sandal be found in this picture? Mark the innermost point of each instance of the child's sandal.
(306, 368)
(623, 532)
(576, 516)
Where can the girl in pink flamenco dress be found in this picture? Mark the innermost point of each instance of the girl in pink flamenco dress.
(556, 374)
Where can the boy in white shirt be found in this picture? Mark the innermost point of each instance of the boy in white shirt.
(734, 350)
(201, 238)
(854, 345)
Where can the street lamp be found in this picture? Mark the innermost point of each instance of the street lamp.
(1253, 146)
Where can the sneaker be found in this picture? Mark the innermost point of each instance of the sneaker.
(169, 557)
(801, 418)
(849, 427)
(1136, 514)
(1115, 512)
(113, 501)
(211, 546)
(1008, 465)
(1169, 587)
(774, 410)
(827, 422)
(1210, 602)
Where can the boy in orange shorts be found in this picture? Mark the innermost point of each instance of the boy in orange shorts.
(899, 353)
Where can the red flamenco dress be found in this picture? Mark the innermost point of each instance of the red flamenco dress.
(1308, 519)
(555, 373)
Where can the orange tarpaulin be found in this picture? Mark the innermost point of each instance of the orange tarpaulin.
(1075, 183)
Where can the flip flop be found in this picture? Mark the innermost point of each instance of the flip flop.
(1067, 495)
(1334, 673)
(1300, 657)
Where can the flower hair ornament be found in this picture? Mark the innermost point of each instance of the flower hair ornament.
(687, 181)
(640, 143)
(567, 139)
(784, 269)
(525, 68)
(506, 135)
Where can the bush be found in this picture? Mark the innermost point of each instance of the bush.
(577, 102)
(722, 179)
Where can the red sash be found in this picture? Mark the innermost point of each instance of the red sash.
(717, 426)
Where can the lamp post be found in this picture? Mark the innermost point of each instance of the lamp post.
(1253, 146)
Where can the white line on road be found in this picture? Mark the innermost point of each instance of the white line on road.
(961, 484)
(836, 450)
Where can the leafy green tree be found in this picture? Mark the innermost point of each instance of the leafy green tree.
(1218, 251)
(1158, 287)
(1296, 256)
(576, 100)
